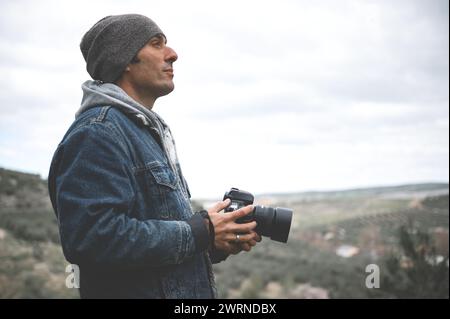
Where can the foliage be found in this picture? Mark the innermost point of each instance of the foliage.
(416, 271)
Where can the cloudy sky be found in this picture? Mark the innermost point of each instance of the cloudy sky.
(271, 96)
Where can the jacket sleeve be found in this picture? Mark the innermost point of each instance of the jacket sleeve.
(92, 195)
(216, 256)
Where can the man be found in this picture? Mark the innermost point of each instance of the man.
(116, 185)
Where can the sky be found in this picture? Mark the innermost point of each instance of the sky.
(270, 96)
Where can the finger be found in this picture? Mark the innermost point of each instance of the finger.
(220, 205)
(252, 242)
(256, 236)
(243, 228)
(246, 247)
(241, 212)
(234, 249)
(242, 237)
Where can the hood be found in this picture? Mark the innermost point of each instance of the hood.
(96, 93)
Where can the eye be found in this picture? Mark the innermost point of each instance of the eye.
(157, 43)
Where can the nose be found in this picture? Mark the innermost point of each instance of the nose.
(171, 55)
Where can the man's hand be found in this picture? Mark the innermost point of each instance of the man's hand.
(230, 236)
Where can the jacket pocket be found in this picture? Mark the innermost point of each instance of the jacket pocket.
(162, 174)
(157, 188)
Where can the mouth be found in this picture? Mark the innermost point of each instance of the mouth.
(169, 71)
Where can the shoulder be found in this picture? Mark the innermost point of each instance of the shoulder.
(98, 122)
(100, 114)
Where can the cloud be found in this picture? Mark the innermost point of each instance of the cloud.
(269, 97)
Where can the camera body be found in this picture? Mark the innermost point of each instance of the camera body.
(272, 222)
(239, 199)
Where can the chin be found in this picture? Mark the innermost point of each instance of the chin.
(167, 89)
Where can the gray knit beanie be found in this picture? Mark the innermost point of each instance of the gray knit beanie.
(110, 45)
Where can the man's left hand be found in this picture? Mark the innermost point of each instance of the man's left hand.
(237, 247)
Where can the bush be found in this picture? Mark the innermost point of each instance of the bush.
(416, 271)
(31, 226)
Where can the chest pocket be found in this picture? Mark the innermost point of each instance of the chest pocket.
(159, 191)
(163, 175)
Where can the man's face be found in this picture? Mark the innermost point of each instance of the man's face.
(153, 73)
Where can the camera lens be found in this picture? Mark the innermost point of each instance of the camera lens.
(281, 224)
(273, 222)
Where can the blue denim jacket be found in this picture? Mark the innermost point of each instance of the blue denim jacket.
(124, 217)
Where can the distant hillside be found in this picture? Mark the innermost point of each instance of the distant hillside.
(22, 192)
(25, 207)
(401, 191)
(32, 264)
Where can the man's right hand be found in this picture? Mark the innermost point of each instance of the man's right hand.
(226, 229)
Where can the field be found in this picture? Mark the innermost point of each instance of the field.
(334, 237)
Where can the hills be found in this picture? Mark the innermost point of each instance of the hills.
(334, 236)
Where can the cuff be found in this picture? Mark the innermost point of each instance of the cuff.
(200, 232)
(216, 256)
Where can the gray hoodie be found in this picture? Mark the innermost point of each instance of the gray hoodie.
(96, 93)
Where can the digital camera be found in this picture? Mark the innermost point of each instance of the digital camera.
(271, 222)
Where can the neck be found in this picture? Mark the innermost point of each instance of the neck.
(144, 99)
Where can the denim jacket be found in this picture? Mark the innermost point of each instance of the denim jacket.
(124, 214)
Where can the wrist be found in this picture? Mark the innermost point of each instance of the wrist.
(209, 226)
